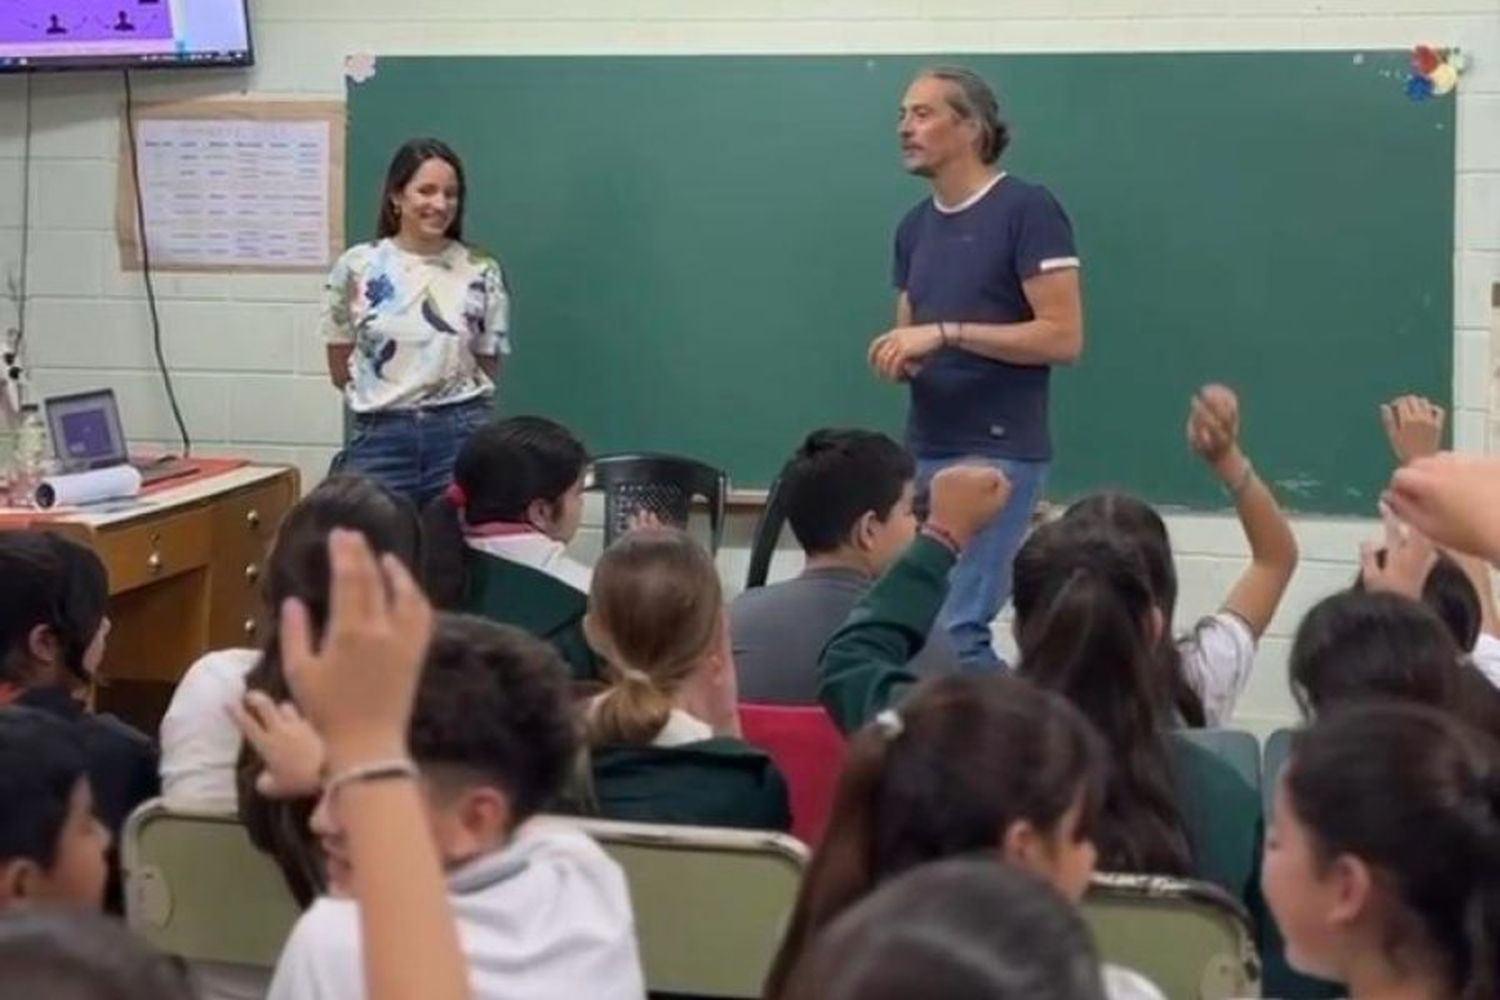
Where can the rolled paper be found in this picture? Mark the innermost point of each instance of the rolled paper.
(75, 488)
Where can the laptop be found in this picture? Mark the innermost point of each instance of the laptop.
(87, 434)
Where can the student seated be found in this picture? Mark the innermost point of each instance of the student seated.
(199, 741)
(52, 847)
(542, 912)
(497, 539)
(1457, 586)
(983, 766)
(1357, 646)
(201, 748)
(848, 500)
(74, 955)
(665, 735)
(961, 929)
(1206, 670)
(53, 598)
(1380, 859)
(1085, 625)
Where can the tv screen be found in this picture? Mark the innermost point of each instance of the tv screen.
(91, 34)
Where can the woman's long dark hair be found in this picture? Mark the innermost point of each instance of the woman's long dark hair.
(1415, 795)
(967, 758)
(404, 166)
(502, 469)
(298, 567)
(1082, 605)
(1139, 525)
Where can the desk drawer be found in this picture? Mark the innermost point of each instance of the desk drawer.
(244, 527)
(159, 548)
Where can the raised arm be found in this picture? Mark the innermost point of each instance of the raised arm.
(1214, 434)
(1414, 427)
(864, 667)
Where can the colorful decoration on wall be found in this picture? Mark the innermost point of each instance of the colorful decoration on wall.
(1434, 72)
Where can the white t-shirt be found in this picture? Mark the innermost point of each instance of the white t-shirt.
(1486, 656)
(1217, 657)
(199, 741)
(416, 323)
(537, 551)
(546, 918)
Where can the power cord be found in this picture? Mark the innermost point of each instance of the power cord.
(145, 246)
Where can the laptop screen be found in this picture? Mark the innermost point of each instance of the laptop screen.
(86, 432)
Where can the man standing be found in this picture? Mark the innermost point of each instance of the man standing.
(987, 275)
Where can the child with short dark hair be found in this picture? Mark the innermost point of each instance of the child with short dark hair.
(52, 848)
(53, 600)
(61, 955)
(848, 499)
(542, 911)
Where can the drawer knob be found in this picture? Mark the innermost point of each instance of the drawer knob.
(252, 518)
(249, 626)
(154, 563)
(252, 573)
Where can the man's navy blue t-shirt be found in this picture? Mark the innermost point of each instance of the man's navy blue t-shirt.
(967, 266)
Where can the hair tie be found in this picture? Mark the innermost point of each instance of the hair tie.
(890, 725)
(456, 495)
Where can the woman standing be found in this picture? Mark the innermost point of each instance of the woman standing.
(415, 324)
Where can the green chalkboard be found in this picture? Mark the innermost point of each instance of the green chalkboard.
(699, 247)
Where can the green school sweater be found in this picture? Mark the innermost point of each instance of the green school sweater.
(863, 671)
(720, 781)
(513, 594)
(864, 666)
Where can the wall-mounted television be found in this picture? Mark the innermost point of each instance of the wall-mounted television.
(130, 34)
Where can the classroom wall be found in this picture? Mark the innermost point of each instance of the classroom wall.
(247, 365)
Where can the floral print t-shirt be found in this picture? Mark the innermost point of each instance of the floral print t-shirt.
(416, 323)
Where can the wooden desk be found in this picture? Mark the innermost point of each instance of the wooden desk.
(184, 578)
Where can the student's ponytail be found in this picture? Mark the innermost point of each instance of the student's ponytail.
(656, 607)
(444, 570)
(1083, 611)
(1414, 794)
(632, 712)
(944, 774)
(841, 872)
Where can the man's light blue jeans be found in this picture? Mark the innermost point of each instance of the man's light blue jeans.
(980, 583)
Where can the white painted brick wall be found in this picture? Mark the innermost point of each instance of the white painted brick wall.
(249, 369)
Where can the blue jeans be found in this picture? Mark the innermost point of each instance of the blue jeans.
(980, 583)
(411, 451)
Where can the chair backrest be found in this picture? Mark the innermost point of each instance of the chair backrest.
(808, 750)
(1278, 748)
(710, 905)
(767, 534)
(1240, 750)
(1190, 938)
(664, 485)
(196, 887)
(1219, 799)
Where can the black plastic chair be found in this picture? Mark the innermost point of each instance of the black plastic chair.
(664, 485)
(767, 534)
